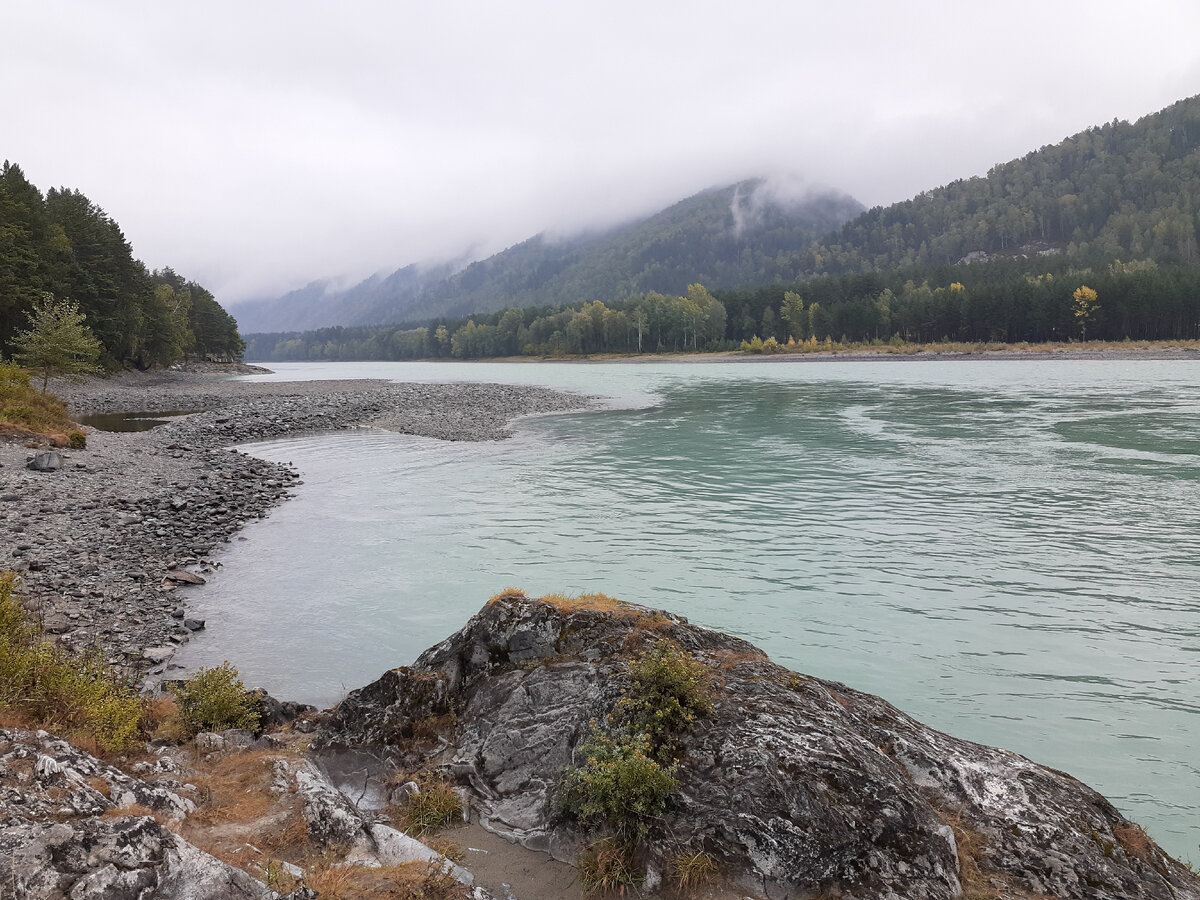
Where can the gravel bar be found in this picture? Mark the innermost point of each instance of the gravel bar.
(109, 544)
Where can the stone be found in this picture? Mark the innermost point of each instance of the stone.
(274, 713)
(183, 576)
(156, 655)
(193, 624)
(209, 742)
(46, 462)
(801, 787)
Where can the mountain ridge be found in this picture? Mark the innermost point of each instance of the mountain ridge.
(724, 236)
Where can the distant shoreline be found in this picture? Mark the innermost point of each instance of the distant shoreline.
(1174, 350)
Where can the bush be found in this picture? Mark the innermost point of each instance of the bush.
(45, 687)
(78, 440)
(620, 787)
(215, 699)
(668, 690)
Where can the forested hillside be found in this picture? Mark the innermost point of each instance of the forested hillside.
(1115, 210)
(738, 235)
(64, 244)
(1116, 191)
(995, 301)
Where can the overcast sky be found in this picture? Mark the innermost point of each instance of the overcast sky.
(257, 146)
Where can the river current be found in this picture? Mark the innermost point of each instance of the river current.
(1007, 550)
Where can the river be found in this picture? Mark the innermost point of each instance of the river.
(1007, 550)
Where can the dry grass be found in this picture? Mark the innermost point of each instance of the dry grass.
(727, 660)
(1134, 841)
(162, 720)
(589, 602)
(136, 809)
(435, 807)
(971, 848)
(509, 593)
(27, 412)
(607, 867)
(411, 881)
(446, 848)
(693, 868)
(234, 788)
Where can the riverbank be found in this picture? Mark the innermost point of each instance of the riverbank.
(108, 544)
(1123, 350)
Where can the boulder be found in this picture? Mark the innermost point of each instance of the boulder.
(51, 461)
(797, 786)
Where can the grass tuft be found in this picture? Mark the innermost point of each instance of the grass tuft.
(436, 806)
(606, 867)
(693, 868)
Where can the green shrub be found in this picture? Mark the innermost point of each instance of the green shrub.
(78, 440)
(46, 687)
(620, 787)
(215, 699)
(668, 691)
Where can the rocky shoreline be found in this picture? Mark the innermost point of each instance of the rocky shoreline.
(104, 543)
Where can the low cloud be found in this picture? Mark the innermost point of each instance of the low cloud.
(259, 147)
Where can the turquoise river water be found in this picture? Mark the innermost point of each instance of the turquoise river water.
(1007, 550)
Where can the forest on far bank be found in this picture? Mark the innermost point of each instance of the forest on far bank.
(996, 258)
(1005, 301)
(65, 245)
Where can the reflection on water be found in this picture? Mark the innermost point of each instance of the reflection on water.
(133, 421)
(1008, 551)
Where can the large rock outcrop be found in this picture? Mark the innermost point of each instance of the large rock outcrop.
(799, 787)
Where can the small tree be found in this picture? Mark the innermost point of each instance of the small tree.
(1084, 306)
(57, 342)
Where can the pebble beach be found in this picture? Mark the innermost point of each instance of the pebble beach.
(109, 544)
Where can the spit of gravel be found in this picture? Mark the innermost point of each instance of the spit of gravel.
(108, 545)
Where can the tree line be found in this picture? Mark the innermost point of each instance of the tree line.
(64, 245)
(1115, 191)
(998, 301)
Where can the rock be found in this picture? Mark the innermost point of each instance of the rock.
(209, 742)
(156, 655)
(46, 462)
(193, 624)
(56, 624)
(799, 786)
(274, 713)
(183, 576)
(238, 737)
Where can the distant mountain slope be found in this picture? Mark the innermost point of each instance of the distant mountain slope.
(742, 234)
(1121, 190)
